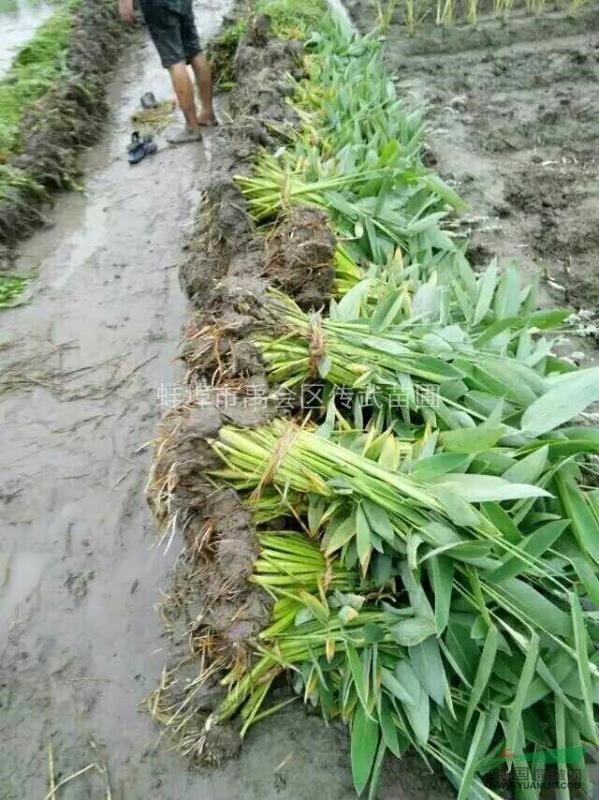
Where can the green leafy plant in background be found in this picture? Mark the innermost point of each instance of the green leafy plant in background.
(37, 67)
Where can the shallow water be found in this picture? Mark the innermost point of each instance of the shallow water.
(19, 19)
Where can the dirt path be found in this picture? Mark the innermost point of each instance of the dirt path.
(82, 361)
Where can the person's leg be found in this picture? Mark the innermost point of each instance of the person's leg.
(165, 28)
(198, 62)
(184, 90)
(203, 76)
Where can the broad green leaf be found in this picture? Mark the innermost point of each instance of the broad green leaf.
(395, 688)
(364, 743)
(572, 394)
(472, 440)
(533, 545)
(388, 728)
(316, 509)
(379, 521)
(529, 604)
(386, 311)
(418, 714)
(342, 534)
(528, 469)
(412, 631)
(434, 466)
(440, 571)
(486, 290)
(320, 611)
(508, 295)
(483, 672)
(428, 665)
(503, 522)
(360, 676)
(584, 524)
(487, 488)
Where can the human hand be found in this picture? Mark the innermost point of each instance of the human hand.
(126, 10)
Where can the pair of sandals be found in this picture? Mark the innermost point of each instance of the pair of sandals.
(141, 146)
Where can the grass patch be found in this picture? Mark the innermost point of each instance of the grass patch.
(37, 67)
(11, 288)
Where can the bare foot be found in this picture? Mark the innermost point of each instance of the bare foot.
(183, 135)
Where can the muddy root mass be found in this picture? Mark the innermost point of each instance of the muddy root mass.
(213, 613)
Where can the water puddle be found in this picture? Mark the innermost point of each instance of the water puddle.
(19, 578)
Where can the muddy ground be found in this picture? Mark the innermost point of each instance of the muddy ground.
(513, 119)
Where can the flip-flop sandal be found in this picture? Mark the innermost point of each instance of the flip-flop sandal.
(140, 147)
(212, 124)
(148, 100)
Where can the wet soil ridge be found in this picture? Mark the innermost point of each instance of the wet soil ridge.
(213, 612)
(65, 120)
(514, 120)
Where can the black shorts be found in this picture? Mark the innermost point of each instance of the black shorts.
(172, 28)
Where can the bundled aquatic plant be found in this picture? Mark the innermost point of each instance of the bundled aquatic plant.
(435, 582)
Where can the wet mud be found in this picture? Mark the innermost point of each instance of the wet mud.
(513, 120)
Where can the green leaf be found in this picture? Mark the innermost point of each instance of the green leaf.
(508, 296)
(486, 290)
(360, 676)
(412, 631)
(320, 611)
(388, 728)
(563, 793)
(418, 714)
(428, 665)
(485, 488)
(440, 570)
(379, 521)
(472, 759)
(395, 688)
(534, 607)
(534, 545)
(472, 440)
(483, 672)
(342, 534)
(582, 659)
(528, 469)
(570, 395)
(363, 539)
(364, 743)
(584, 524)
(376, 770)
(515, 710)
(435, 466)
(448, 195)
(386, 311)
